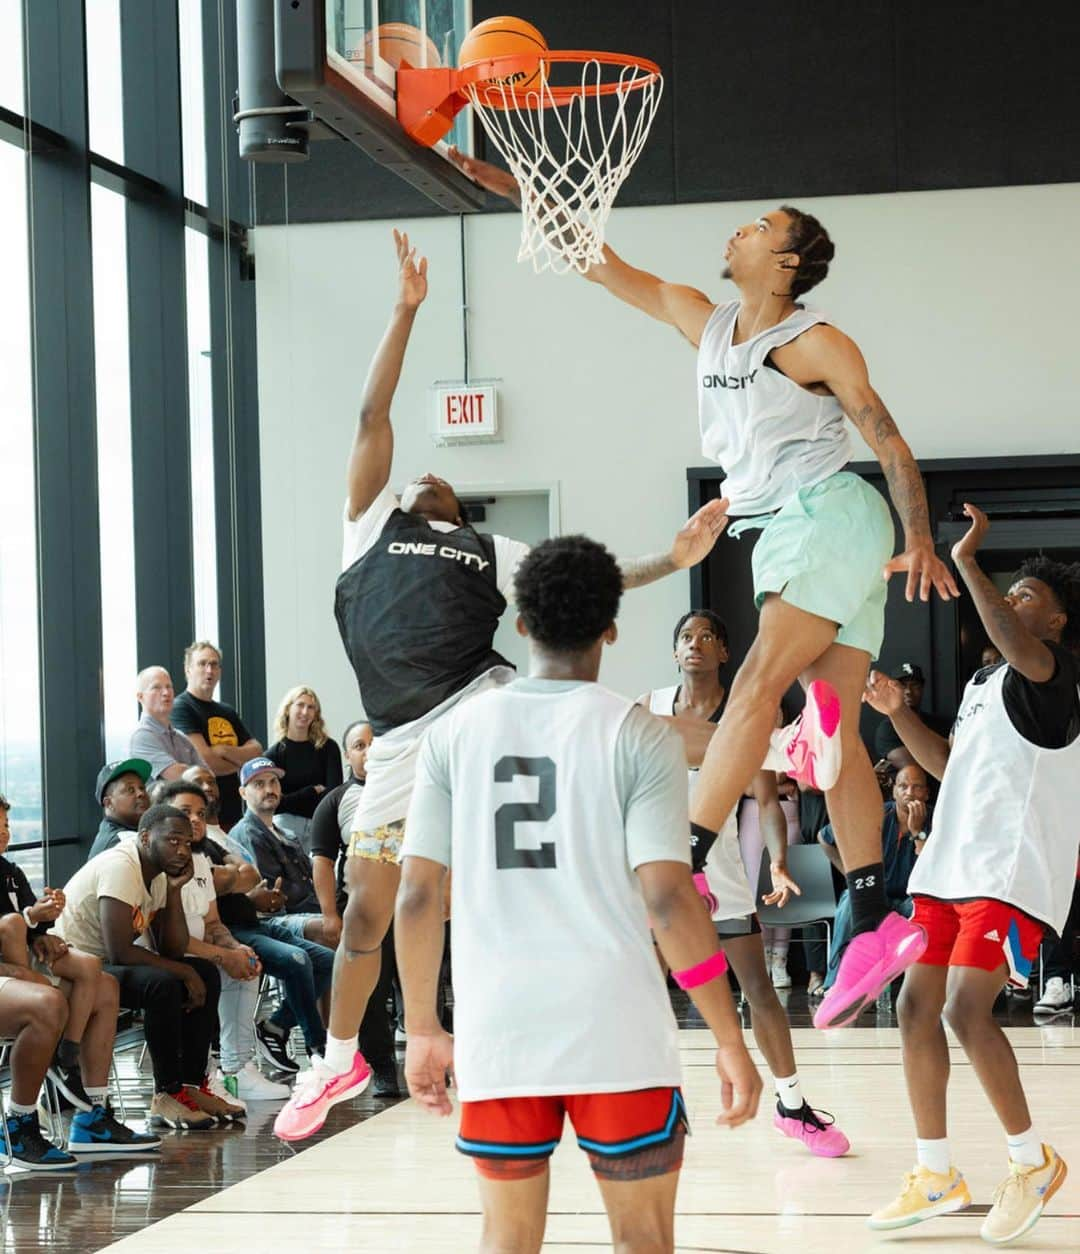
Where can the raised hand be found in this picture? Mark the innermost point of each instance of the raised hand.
(968, 545)
(412, 275)
(694, 542)
(488, 176)
(883, 693)
(925, 570)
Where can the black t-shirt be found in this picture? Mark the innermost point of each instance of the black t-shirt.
(1047, 714)
(417, 614)
(304, 767)
(332, 821)
(217, 724)
(108, 834)
(234, 909)
(16, 894)
(886, 739)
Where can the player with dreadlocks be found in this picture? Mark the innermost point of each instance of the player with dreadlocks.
(996, 874)
(775, 382)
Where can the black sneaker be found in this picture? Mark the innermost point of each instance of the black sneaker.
(384, 1080)
(275, 1049)
(29, 1148)
(68, 1082)
(97, 1132)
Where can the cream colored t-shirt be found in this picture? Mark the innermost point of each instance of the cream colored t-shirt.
(115, 873)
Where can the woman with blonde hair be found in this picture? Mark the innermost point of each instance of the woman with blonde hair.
(310, 759)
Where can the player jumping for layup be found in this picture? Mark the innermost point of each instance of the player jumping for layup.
(561, 808)
(775, 382)
(417, 604)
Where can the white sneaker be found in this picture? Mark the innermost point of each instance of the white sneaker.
(252, 1086)
(1056, 996)
(217, 1084)
(779, 973)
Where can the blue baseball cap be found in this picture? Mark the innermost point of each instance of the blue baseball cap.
(258, 766)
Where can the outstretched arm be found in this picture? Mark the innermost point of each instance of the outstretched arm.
(684, 308)
(1023, 651)
(842, 368)
(373, 445)
(692, 544)
(930, 750)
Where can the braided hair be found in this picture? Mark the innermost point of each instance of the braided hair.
(810, 241)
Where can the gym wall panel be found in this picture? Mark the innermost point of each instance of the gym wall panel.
(968, 324)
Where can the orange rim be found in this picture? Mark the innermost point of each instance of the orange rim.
(505, 97)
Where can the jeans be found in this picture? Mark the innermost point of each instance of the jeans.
(178, 1040)
(305, 971)
(289, 927)
(842, 926)
(236, 1015)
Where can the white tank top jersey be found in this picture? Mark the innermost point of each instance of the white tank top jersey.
(770, 436)
(556, 986)
(725, 871)
(1006, 824)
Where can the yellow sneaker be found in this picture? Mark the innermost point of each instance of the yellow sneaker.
(1019, 1200)
(924, 1195)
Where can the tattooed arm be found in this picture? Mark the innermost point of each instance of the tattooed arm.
(1023, 651)
(838, 364)
(692, 544)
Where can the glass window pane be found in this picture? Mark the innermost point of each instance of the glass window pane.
(20, 706)
(104, 90)
(200, 402)
(192, 105)
(115, 500)
(11, 55)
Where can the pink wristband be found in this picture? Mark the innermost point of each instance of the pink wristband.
(703, 972)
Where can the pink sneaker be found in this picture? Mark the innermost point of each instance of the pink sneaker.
(315, 1092)
(701, 883)
(820, 1137)
(809, 748)
(871, 961)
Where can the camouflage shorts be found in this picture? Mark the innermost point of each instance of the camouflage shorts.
(381, 845)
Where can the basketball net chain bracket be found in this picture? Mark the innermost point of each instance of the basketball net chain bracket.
(570, 136)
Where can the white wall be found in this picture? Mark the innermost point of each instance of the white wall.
(963, 302)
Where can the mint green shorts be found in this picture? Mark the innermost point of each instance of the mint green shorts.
(824, 552)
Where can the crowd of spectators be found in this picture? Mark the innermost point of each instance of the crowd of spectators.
(199, 908)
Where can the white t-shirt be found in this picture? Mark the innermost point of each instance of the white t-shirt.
(360, 534)
(198, 895)
(544, 796)
(115, 873)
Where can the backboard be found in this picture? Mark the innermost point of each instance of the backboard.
(339, 59)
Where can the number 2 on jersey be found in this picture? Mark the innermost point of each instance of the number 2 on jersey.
(507, 852)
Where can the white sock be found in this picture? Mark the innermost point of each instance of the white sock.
(99, 1096)
(17, 1108)
(789, 1091)
(1026, 1148)
(934, 1155)
(339, 1054)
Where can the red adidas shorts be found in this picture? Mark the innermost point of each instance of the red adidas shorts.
(982, 933)
(626, 1135)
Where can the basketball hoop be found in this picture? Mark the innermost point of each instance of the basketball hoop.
(569, 125)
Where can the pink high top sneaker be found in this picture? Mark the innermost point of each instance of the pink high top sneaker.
(871, 961)
(809, 748)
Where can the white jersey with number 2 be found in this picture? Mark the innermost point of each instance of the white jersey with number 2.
(543, 797)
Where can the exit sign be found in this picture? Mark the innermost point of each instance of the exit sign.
(464, 412)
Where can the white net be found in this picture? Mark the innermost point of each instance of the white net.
(570, 151)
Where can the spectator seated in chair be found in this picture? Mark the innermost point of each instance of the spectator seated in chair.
(311, 762)
(903, 834)
(113, 901)
(121, 793)
(79, 1067)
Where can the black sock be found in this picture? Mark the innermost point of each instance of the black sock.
(868, 905)
(701, 841)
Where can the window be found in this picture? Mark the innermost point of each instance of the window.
(104, 90)
(11, 56)
(192, 106)
(201, 416)
(115, 502)
(20, 710)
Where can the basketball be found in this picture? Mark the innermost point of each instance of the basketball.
(501, 37)
(398, 41)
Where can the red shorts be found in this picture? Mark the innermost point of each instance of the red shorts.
(982, 933)
(522, 1132)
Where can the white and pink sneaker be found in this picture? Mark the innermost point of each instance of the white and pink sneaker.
(315, 1092)
(809, 748)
